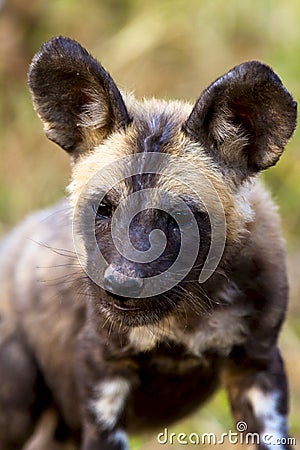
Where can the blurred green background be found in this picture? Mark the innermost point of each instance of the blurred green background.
(171, 49)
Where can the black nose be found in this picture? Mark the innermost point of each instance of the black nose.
(120, 284)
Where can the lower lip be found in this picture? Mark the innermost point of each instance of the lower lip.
(124, 308)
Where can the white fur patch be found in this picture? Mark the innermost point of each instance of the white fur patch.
(143, 339)
(221, 330)
(111, 396)
(265, 407)
(119, 437)
(242, 202)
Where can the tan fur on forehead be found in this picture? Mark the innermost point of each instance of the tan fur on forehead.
(150, 118)
(146, 109)
(147, 115)
(178, 178)
(91, 164)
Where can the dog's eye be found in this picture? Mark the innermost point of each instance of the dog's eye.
(103, 210)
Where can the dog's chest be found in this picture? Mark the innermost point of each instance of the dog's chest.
(216, 333)
(182, 365)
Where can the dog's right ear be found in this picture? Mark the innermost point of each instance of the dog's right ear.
(244, 120)
(74, 96)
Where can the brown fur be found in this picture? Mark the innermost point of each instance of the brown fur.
(94, 365)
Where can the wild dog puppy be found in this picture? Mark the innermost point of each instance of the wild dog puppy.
(164, 274)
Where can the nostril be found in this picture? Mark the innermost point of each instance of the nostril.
(119, 284)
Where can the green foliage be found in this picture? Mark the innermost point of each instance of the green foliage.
(168, 48)
(164, 48)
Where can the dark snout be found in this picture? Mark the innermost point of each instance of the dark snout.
(126, 304)
(120, 284)
(133, 261)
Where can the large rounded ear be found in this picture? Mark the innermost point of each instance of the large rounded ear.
(76, 99)
(244, 119)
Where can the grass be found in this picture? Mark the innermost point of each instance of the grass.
(164, 48)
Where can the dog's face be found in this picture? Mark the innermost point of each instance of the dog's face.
(157, 202)
(158, 188)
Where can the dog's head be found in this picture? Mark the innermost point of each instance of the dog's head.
(159, 189)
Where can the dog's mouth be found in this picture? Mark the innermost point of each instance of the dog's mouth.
(129, 311)
(136, 312)
(126, 304)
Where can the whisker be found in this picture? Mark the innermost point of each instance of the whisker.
(59, 251)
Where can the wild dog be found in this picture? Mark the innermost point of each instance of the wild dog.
(96, 323)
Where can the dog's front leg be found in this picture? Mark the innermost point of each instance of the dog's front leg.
(103, 415)
(104, 387)
(258, 395)
(99, 437)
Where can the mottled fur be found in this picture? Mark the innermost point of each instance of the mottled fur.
(79, 365)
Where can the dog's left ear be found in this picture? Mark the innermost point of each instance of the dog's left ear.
(75, 97)
(244, 119)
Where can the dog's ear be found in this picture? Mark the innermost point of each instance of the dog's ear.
(76, 99)
(244, 119)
